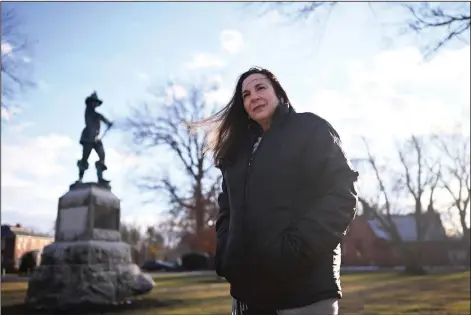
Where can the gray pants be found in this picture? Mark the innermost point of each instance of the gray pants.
(324, 307)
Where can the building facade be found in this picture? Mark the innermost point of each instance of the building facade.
(16, 241)
(367, 244)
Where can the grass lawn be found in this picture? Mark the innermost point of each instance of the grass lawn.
(364, 293)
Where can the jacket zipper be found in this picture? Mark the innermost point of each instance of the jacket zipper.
(246, 188)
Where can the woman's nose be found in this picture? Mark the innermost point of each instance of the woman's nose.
(254, 98)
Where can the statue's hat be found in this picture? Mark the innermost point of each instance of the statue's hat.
(93, 98)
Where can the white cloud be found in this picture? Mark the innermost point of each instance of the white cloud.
(206, 60)
(396, 94)
(232, 41)
(6, 48)
(271, 18)
(43, 85)
(37, 171)
(20, 127)
(8, 113)
(215, 79)
(27, 60)
(142, 76)
(145, 218)
(5, 114)
(388, 98)
(46, 150)
(220, 96)
(176, 91)
(33, 175)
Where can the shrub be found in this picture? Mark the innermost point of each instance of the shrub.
(195, 261)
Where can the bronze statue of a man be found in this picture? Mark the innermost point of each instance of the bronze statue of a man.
(90, 138)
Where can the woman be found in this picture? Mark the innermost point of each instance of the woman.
(287, 199)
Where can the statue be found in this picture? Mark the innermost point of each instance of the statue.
(90, 139)
(88, 264)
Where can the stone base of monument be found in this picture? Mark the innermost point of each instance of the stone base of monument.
(87, 263)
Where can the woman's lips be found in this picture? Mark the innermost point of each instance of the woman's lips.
(257, 108)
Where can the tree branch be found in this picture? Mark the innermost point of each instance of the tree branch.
(426, 18)
(170, 127)
(16, 73)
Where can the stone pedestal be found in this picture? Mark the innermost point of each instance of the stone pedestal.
(87, 263)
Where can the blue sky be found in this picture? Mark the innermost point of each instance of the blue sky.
(351, 69)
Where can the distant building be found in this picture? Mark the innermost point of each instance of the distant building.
(367, 244)
(16, 241)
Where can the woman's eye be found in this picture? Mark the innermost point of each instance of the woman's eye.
(260, 88)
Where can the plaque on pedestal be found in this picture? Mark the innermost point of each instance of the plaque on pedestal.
(88, 211)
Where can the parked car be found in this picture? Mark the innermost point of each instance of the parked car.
(159, 265)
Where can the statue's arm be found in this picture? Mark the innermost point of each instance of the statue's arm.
(104, 119)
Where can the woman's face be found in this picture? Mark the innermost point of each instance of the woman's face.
(259, 98)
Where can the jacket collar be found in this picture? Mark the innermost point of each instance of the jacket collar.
(281, 111)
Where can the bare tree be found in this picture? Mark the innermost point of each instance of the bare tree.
(421, 173)
(382, 208)
(16, 62)
(450, 21)
(154, 241)
(295, 11)
(169, 127)
(171, 232)
(455, 178)
(130, 234)
(417, 180)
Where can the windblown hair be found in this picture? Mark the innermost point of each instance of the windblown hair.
(232, 122)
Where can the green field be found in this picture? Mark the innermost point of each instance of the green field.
(364, 293)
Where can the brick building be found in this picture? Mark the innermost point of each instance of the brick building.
(367, 244)
(16, 241)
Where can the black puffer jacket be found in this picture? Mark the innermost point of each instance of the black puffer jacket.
(283, 213)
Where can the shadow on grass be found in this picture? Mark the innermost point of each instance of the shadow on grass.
(212, 280)
(177, 277)
(211, 299)
(188, 281)
(179, 280)
(89, 309)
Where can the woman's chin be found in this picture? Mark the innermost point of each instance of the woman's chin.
(261, 117)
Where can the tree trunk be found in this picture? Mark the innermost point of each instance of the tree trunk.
(412, 261)
(414, 265)
(199, 216)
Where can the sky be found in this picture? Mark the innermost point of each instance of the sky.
(351, 68)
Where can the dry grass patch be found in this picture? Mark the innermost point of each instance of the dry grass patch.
(444, 294)
(365, 294)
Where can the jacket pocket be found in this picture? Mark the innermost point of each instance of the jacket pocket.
(229, 260)
(269, 245)
(225, 270)
(218, 259)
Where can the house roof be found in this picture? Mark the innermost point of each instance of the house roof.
(10, 231)
(406, 228)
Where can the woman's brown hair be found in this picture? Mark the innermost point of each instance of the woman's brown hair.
(232, 121)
